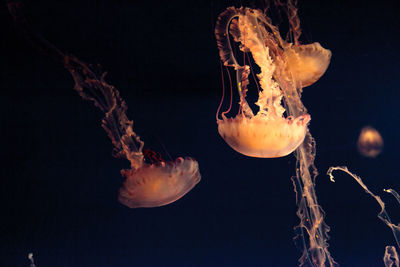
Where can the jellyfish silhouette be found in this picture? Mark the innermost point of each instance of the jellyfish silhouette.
(269, 133)
(285, 68)
(147, 184)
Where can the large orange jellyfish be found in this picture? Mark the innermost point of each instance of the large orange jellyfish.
(269, 133)
(152, 184)
(285, 68)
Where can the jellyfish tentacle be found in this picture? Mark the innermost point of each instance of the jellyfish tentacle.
(394, 193)
(92, 87)
(105, 96)
(383, 215)
(252, 73)
(231, 94)
(116, 123)
(309, 211)
(391, 258)
(294, 21)
(242, 76)
(16, 10)
(145, 185)
(270, 97)
(223, 94)
(225, 26)
(222, 35)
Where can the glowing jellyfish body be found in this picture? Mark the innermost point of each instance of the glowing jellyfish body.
(268, 134)
(307, 63)
(145, 185)
(277, 130)
(263, 137)
(370, 142)
(158, 184)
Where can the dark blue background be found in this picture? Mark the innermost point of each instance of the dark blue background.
(59, 182)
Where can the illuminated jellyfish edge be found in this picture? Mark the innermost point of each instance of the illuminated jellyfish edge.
(262, 137)
(308, 62)
(158, 184)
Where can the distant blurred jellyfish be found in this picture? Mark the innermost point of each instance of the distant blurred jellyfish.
(147, 184)
(278, 128)
(370, 142)
(30, 257)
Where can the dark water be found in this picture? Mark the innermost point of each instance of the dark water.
(59, 181)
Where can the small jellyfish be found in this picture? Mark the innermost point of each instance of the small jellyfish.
(269, 133)
(146, 184)
(370, 142)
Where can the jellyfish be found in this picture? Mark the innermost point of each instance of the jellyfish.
(148, 183)
(391, 257)
(268, 133)
(370, 142)
(278, 128)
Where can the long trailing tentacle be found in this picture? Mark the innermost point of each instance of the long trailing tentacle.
(394, 193)
(383, 215)
(291, 12)
(106, 97)
(391, 257)
(90, 84)
(226, 25)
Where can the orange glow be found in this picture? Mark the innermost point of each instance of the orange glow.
(158, 184)
(283, 66)
(370, 142)
(280, 125)
(262, 138)
(307, 63)
(146, 185)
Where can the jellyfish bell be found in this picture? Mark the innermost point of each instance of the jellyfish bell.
(370, 142)
(158, 184)
(307, 63)
(263, 137)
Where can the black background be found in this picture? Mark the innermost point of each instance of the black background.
(59, 181)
